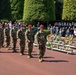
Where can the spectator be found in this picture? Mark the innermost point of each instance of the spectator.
(38, 26)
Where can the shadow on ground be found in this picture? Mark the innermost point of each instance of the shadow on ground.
(55, 61)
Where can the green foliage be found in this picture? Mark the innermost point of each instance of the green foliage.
(69, 10)
(39, 10)
(47, 32)
(3, 20)
(20, 20)
(17, 8)
(58, 10)
(5, 9)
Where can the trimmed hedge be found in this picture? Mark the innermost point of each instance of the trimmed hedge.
(17, 8)
(4, 20)
(47, 32)
(69, 10)
(5, 9)
(39, 10)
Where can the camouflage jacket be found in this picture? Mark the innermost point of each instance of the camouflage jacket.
(30, 35)
(7, 32)
(41, 37)
(1, 34)
(14, 33)
(21, 34)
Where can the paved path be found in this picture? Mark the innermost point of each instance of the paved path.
(55, 63)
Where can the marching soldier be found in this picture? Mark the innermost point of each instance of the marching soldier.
(7, 35)
(21, 36)
(41, 38)
(30, 40)
(14, 37)
(1, 36)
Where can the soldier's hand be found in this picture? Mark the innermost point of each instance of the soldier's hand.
(28, 40)
(19, 40)
(40, 44)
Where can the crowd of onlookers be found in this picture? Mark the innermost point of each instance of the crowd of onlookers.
(63, 28)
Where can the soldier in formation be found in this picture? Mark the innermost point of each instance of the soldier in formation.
(1, 36)
(7, 35)
(41, 38)
(14, 37)
(21, 36)
(29, 40)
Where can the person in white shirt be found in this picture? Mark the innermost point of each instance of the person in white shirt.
(10, 25)
(74, 34)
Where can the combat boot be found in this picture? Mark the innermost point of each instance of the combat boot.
(30, 56)
(40, 59)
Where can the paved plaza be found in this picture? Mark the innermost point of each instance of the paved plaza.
(55, 63)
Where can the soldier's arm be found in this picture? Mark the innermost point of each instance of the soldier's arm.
(18, 33)
(4, 33)
(36, 37)
(10, 32)
(27, 36)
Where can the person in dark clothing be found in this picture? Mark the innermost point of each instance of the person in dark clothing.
(7, 35)
(41, 38)
(30, 40)
(14, 37)
(1, 35)
(21, 36)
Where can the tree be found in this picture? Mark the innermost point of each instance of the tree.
(17, 8)
(58, 9)
(5, 9)
(69, 10)
(39, 10)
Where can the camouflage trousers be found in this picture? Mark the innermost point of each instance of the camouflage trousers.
(29, 47)
(41, 50)
(1, 43)
(14, 41)
(22, 46)
(7, 41)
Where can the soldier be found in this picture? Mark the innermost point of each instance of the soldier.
(1, 35)
(7, 35)
(30, 40)
(14, 37)
(21, 36)
(41, 38)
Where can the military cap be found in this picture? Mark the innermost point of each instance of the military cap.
(41, 26)
(14, 24)
(7, 25)
(21, 25)
(29, 26)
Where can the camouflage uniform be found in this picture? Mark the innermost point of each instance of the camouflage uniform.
(7, 35)
(30, 40)
(41, 38)
(1, 36)
(14, 38)
(21, 36)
